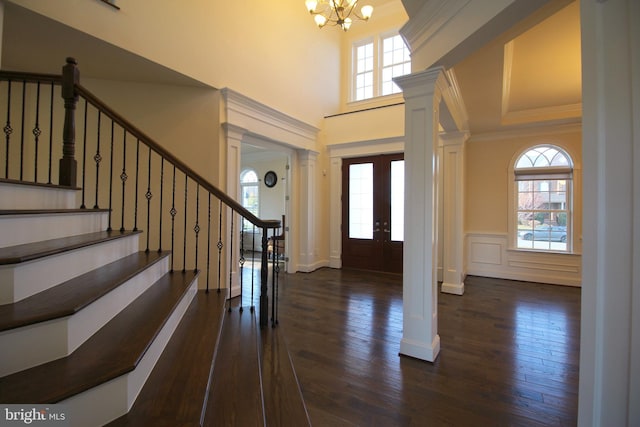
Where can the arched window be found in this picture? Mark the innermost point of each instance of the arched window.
(543, 193)
(250, 188)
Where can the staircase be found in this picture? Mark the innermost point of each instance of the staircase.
(93, 319)
(85, 314)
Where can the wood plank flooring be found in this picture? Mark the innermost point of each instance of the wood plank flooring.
(509, 352)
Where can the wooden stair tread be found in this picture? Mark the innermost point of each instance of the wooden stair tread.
(183, 369)
(48, 211)
(283, 401)
(36, 184)
(112, 351)
(235, 398)
(31, 251)
(75, 294)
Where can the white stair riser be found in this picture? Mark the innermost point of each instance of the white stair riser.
(16, 196)
(19, 281)
(23, 348)
(105, 403)
(20, 229)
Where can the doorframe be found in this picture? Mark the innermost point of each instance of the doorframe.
(337, 152)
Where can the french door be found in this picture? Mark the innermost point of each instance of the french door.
(373, 212)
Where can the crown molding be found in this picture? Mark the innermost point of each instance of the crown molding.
(243, 112)
(541, 129)
(432, 16)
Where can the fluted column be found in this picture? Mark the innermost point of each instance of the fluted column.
(422, 93)
(453, 148)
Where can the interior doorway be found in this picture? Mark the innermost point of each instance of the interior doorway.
(373, 212)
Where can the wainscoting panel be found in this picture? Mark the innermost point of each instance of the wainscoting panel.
(489, 255)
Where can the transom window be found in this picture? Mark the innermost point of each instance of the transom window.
(543, 176)
(376, 62)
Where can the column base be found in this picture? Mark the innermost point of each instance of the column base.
(453, 288)
(420, 350)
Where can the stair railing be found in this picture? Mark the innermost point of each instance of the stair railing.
(167, 201)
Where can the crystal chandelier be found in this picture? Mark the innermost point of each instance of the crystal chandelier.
(337, 12)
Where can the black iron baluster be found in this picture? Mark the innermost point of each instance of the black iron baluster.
(184, 237)
(230, 261)
(36, 133)
(8, 130)
(135, 208)
(208, 241)
(111, 176)
(161, 203)
(264, 277)
(273, 277)
(51, 134)
(84, 155)
(148, 195)
(173, 213)
(276, 278)
(253, 263)
(220, 245)
(242, 260)
(123, 175)
(196, 228)
(97, 158)
(24, 95)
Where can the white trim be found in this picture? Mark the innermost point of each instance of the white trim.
(541, 130)
(488, 255)
(263, 120)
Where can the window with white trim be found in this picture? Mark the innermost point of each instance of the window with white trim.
(543, 178)
(250, 190)
(376, 61)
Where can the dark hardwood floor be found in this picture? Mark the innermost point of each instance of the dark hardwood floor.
(509, 352)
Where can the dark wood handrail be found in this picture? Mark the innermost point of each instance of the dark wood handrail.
(30, 77)
(133, 130)
(160, 150)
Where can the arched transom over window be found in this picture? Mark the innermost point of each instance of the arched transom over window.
(543, 175)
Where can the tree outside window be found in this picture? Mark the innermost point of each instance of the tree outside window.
(543, 176)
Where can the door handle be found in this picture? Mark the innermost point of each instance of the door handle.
(386, 230)
(377, 226)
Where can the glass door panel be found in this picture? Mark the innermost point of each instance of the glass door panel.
(397, 200)
(361, 201)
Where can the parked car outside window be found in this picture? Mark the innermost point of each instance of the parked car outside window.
(551, 233)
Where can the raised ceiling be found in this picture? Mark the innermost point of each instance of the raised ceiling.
(531, 75)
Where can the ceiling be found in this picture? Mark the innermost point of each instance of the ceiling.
(53, 41)
(527, 76)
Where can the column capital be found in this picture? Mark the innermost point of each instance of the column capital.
(423, 83)
(453, 138)
(234, 132)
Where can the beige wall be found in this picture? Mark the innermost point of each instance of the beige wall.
(185, 120)
(488, 247)
(487, 176)
(256, 48)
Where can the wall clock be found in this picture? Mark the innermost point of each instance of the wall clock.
(270, 179)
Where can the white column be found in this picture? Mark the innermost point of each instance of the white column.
(335, 214)
(233, 136)
(609, 391)
(422, 93)
(308, 210)
(453, 144)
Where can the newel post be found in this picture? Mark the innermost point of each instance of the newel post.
(68, 163)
